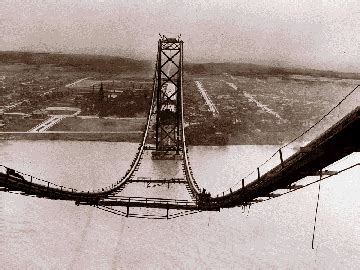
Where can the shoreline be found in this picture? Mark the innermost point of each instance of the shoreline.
(130, 137)
(134, 136)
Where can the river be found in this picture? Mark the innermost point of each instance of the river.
(43, 234)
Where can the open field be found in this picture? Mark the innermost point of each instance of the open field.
(74, 136)
(100, 124)
(17, 125)
(266, 110)
(254, 104)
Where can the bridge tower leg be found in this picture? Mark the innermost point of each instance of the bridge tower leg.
(168, 99)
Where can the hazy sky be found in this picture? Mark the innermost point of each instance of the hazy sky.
(318, 34)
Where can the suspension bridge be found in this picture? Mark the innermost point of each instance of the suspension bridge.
(164, 138)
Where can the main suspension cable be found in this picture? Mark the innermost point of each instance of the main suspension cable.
(302, 134)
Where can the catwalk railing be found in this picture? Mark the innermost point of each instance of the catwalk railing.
(298, 158)
(280, 171)
(16, 181)
(13, 180)
(195, 189)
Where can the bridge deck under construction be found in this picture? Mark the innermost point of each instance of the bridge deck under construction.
(340, 140)
(167, 108)
(337, 142)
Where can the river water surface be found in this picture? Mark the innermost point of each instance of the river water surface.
(42, 234)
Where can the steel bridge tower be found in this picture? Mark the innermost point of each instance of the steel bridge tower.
(169, 98)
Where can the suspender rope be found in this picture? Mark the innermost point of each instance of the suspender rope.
(316, 211)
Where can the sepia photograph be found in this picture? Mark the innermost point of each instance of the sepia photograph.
(179, 134)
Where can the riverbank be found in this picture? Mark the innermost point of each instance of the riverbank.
(244, 240)
(133, 136)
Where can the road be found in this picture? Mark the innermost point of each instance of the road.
(13, 105)
(74, 83)
(252, 98)
(262, 106)
(203, 92)
(48, 123)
